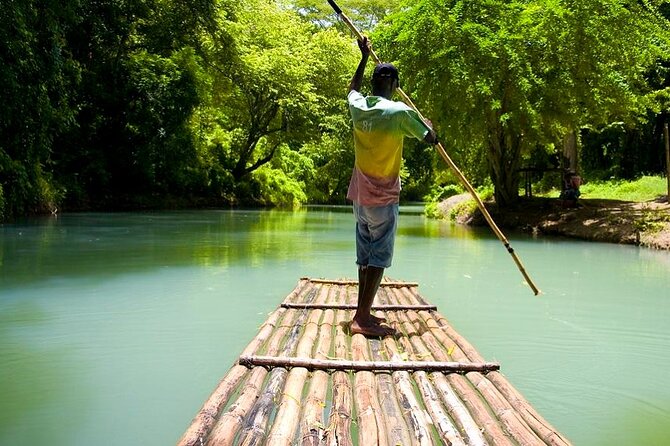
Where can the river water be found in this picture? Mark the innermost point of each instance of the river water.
(114, 328)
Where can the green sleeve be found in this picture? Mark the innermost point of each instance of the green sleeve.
(413, 126)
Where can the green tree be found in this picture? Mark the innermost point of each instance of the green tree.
(37, 76)
(272, 82)
(138, 88)
(506, 77)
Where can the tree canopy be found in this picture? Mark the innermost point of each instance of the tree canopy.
(507, 77)
(112, 104)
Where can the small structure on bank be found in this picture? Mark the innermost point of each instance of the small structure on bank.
(303, 380)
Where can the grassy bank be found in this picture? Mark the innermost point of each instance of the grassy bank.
(646, 188)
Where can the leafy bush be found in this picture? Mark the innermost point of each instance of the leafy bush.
(439, 193)
(275, 188)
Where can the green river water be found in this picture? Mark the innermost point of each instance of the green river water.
(115, 328)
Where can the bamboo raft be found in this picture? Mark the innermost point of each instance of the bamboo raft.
(304, 380)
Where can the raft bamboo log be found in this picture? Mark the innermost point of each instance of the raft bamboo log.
(311, 430)
(443, 153)
(258, 417)
(369, 414)
(330, 364)
(444, 424)
(396, 427)
(282, 434)
(477, 406)
(336, 306)
(414, 415)
(451, 400)
(313, 423)
(438, 324)
(355, 282)
(339, 423)
(231, 421)
(279, 406)
(514, 425)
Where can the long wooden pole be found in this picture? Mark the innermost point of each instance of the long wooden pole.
(342, 364)
(448, 160)
(338, 306)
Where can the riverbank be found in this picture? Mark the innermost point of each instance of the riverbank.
(637, 223)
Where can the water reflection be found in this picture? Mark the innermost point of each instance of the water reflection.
(124, 315)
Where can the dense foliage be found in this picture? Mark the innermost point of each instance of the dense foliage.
(113, 104)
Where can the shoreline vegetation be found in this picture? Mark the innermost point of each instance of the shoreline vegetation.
(622, 213)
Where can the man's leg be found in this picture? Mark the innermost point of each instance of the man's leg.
(364, 287)
(371, 224)
(363, 321)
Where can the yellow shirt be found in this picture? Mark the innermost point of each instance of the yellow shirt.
(380, 126)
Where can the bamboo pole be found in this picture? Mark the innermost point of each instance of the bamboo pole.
(477, 406)
(338, 432)
(312, 427)
(230, 422)
(341, 306)
(390, 284)
(396, 427)
(370, 420)
(443, 153)
(257, 419)
(370, 366)
(448, 432)
(282, 434)
(415, 416)
(206, 418)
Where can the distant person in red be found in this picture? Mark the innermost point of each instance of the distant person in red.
(570, 192)
(380, 126)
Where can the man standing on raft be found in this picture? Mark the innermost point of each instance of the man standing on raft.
(380, 125)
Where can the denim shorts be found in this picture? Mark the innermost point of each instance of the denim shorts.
(375, 234)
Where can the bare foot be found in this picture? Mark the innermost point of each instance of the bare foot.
(377, 320)
(370, 330)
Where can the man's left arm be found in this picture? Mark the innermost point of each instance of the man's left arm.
(357, 81)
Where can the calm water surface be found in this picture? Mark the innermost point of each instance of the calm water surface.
(114, 328)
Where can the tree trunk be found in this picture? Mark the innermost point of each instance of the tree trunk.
(505, 159)
(570, 150)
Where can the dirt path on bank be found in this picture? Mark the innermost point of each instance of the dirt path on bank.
(644, 224)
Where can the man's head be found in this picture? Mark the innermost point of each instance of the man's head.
(385, 80)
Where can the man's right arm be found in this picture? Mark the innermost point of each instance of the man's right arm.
(357, 81)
